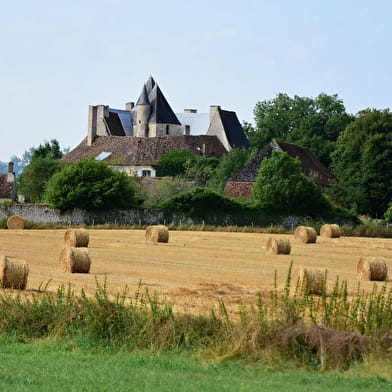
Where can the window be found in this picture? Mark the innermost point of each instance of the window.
(187, 130)
(167, 129)
(146, 173)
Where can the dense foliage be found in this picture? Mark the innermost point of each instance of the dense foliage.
(33, 180)
(173, 163)
(90, 185)
(362, 163)
(282, 188)
(311, 122)
(229, 165)
(200, 202)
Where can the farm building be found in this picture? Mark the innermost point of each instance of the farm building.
(8, 184)
(133, 139)
(241, 184)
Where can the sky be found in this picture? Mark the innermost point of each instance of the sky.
(60, 56)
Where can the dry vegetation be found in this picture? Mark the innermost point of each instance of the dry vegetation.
(195, 269)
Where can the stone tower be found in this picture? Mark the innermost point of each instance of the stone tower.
(143, 111)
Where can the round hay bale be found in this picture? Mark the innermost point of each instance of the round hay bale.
(372, 268)
(13, 274)
(278, 246)
(78, 238)
(75, 260)
(15, 222)
(305, 234)
(308, 280)
(157, 233)
(330, 231)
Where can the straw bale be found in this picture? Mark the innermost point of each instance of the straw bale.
(157, 233)
(13, 274)
(15, 222)
(305, 234)
(372, 268)
(78, 238)
(75, 260)
(278, 246)
(330, 231)
(309, 280)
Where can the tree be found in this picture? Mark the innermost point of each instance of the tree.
(362, 163)
(173, 163)
(33, 180)
(200, 170)
(311, 122)
(229, 164)
(388, 214)
(282, 188)
(90, 185)
(48, 150)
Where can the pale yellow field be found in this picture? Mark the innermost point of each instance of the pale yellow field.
(194, 269)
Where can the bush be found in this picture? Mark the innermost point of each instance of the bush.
(282, 188)
(90, 185)
(200, 202)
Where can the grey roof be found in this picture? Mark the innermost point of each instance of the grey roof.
(161, 112)
(233, 129)
(113, 124)
(125, 118)
(198, 122)
(311, 166)
(150, 84)
(143, 98)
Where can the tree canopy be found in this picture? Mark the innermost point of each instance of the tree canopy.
(48, 150)
(228, 165)
(311, 122)
(362, 163)
(90, 185)
(173, 163)
(281, 187)
(33, 180)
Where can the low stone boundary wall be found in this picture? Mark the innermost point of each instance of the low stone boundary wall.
(39, 213)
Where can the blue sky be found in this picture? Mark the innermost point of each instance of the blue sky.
(58, 57)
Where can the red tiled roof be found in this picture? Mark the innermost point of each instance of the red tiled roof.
(136, 151)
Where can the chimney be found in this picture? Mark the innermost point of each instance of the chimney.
(213, 109)
(129, 106)
(10, 174)
(190, 110)
(92, 124)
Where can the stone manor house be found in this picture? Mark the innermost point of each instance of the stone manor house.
(134, 138)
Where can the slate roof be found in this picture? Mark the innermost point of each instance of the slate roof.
(310, 164)
(136, 151)
(143, 98)
(161, 112)
(6, 188)
(150, 84)
(113, 124)
(233, 129)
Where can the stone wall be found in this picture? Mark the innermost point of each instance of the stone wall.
(38, 213)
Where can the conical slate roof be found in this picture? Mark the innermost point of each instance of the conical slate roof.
(161, 112)
(150, 84)
(143, 99)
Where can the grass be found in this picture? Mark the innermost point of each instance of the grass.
(53, 366)
(324, 332)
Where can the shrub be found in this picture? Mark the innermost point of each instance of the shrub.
(90, 185)
(282, 188)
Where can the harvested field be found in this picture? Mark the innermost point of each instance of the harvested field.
(194, 269)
